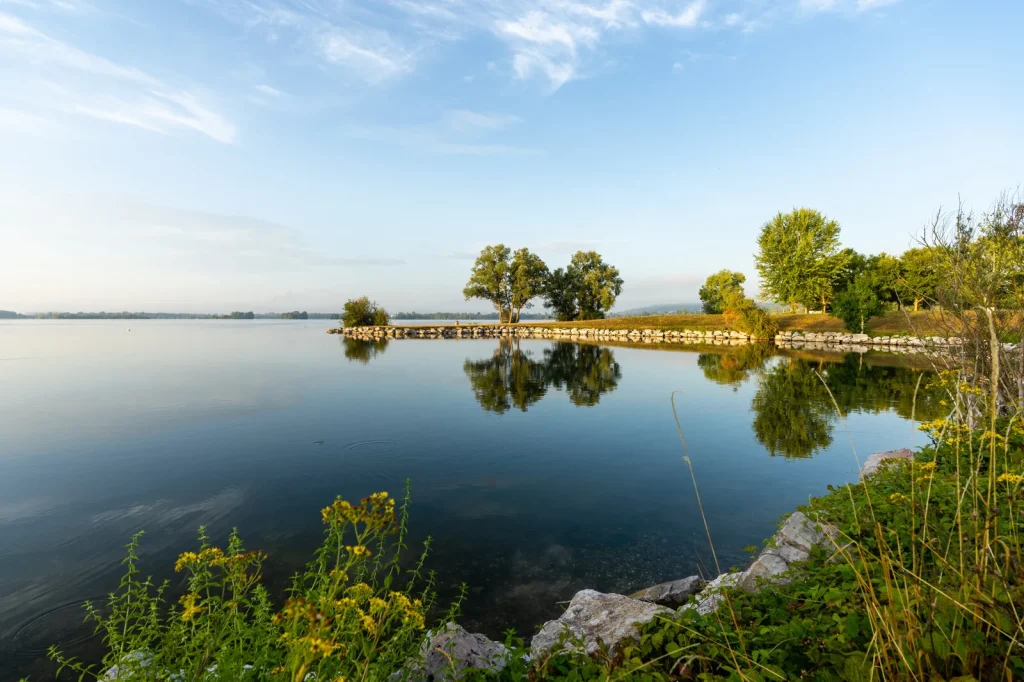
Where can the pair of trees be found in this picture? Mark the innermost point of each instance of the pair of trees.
(584, 290)
(362, 312)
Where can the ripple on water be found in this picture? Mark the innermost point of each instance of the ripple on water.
(372, 446)
(64, 625)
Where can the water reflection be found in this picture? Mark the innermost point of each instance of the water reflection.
(362, 351)
(796, 400)
(515, 378)
(733, 367)
(792, 413)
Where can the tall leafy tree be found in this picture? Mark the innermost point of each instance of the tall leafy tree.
(721, 289)
(859, 303)
(491, 280)
(527, 274)
(362, 312)
(560, 295)
(799, 259)
(919, 276)
(585, 290)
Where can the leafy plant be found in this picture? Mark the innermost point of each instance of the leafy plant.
(353, 614)
(362, 312)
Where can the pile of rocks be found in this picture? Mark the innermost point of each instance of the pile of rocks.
(824, 339)
(533, 332)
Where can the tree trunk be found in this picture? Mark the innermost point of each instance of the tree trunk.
(861, 324)
(917, 302)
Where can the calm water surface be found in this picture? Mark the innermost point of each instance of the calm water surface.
(539, 468)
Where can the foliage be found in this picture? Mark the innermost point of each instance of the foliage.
(352, 614)
(919, 276)
(295, 315)
(490, 279)
(585, 290)
(720, 289)
(362, 312)
(858, 304)
(509, 281)
(527, 274)
(799, 258)
(792, 415)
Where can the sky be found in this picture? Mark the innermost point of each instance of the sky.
(270, 155)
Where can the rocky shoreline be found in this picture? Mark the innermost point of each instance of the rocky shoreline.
(595, 621)
(792, 340)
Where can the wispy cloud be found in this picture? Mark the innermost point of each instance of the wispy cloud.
(268, 90)
(463, 120)
(687, 18)
(96, 87)
(428, 138)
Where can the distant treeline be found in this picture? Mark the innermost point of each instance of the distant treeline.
(459, 316)
(125, 315)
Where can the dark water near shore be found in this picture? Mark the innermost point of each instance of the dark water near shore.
(540, 468)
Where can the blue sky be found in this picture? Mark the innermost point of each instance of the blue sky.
(209, 155)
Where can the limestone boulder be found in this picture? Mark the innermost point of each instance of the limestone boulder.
(450, 651)
(872, 463)
(672, 594)
(594, 620)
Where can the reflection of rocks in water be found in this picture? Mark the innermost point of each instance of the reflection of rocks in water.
(515, 378)
(360, 350)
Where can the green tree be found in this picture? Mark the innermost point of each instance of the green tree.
(527, 274)
(585, 290)
(560, 296)
(919, 276)
(799, 259)
(720, 289)
(491, 280)
(858, 303)
(362, 312)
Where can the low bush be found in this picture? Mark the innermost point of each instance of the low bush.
(746, 316)
(362, 312)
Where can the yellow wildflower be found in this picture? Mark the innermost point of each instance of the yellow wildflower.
(378, 605)
(1012, 479)
(318, 645)
(360, 592)
(358, 550)
(191, 608)
(927, 466)
(898, 497)
(186, 559)
(370, 625)
(345, 603)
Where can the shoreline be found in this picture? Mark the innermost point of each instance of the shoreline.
(794, 340)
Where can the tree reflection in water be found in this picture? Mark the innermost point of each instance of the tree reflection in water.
(514, 378)
(359, 350)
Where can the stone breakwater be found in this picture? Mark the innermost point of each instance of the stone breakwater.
(856, 343)
(531, 332)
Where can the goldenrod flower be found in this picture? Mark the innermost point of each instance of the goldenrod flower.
(898, 497)
(1012, 479)
(360, 592)
(370, 625)
(378, 605)
(358, 550)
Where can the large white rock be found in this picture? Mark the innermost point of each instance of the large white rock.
(450, 651)
(593, 620)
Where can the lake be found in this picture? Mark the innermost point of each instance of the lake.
(539, 468)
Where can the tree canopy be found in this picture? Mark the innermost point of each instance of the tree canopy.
(585, 290)
(509, 281)
(720, 289)
(362, 312)
(799, 258)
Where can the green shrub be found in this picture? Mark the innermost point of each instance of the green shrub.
(362, 312)
(746, 316)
